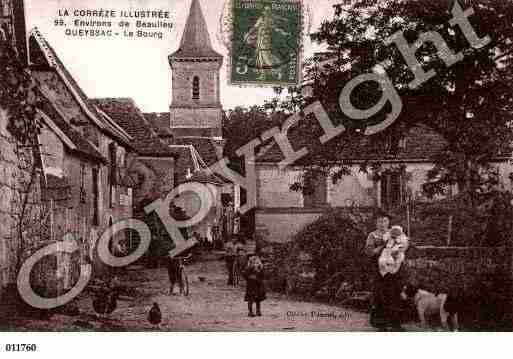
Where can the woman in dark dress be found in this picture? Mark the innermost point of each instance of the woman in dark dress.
(255, 289)
(373, 248)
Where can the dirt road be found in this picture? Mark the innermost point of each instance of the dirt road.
(210, 306)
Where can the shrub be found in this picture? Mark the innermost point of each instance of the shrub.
(322, 257)
(326, 258)
(486, 222)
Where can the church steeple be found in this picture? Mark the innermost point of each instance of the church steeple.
(195, 41)
(195, 108)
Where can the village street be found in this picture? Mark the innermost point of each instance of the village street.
(210, 306)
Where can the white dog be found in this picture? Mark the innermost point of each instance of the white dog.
(428, 304)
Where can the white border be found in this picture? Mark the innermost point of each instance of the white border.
(260, 345)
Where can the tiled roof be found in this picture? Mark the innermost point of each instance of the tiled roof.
(195, 39)
(420, 143)
(127, 115)
(189, 167)
(205, 177)
(203, 145)
(82, 146)
(160, 122)
(43, 55)
(160, 166)
(162, 132)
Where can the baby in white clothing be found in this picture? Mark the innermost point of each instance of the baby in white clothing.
(392, 256)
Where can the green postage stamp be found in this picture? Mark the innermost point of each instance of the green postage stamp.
(266, 42)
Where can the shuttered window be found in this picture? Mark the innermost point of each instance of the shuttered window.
(196, 88)
(112, 173)
(392, 189)
(316, 193)
(96, 198)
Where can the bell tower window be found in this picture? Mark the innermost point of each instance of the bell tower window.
(196, 88)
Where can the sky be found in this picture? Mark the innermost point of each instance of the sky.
(139, 68)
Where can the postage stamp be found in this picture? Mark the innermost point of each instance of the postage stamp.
(266, 42)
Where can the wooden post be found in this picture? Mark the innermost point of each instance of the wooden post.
(408, 218)
(449, 231)
(408, 214)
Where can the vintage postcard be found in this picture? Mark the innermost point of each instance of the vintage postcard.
(255, 166)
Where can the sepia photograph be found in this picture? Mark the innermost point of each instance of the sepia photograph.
(274, 166)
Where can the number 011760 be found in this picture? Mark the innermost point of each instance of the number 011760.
(20, 347)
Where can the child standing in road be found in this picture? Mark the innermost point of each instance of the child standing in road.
(255, 290)
(173, 271)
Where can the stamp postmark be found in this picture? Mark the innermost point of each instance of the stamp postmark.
(265, 48)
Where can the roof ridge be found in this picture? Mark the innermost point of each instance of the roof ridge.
(78, 94)
(111, 121)
(52, 116)
(126, 114)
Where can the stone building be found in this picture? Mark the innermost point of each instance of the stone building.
(84, 159)
(20, 170)
(151, 168)
(281, 212)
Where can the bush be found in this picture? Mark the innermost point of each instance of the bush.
(323, 257)
(485, 222)
(326, 258)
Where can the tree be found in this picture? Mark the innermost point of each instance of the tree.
(469, 103)
(241, 125)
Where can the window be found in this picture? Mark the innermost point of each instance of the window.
(196, 88)
(96, 199)
(5, 8)
(112, 173)
(391, 189)
(140, 180)
(315, 193)
(392, 144)
(82, 184)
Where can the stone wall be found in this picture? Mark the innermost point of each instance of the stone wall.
(273, 187)
(358, 189)
(280, 226)
(16, 164)
(182, 77)
(204, 112)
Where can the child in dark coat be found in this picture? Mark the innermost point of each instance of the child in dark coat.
(255, 290)
(173, 271)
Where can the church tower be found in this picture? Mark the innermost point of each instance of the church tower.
(195, 108)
